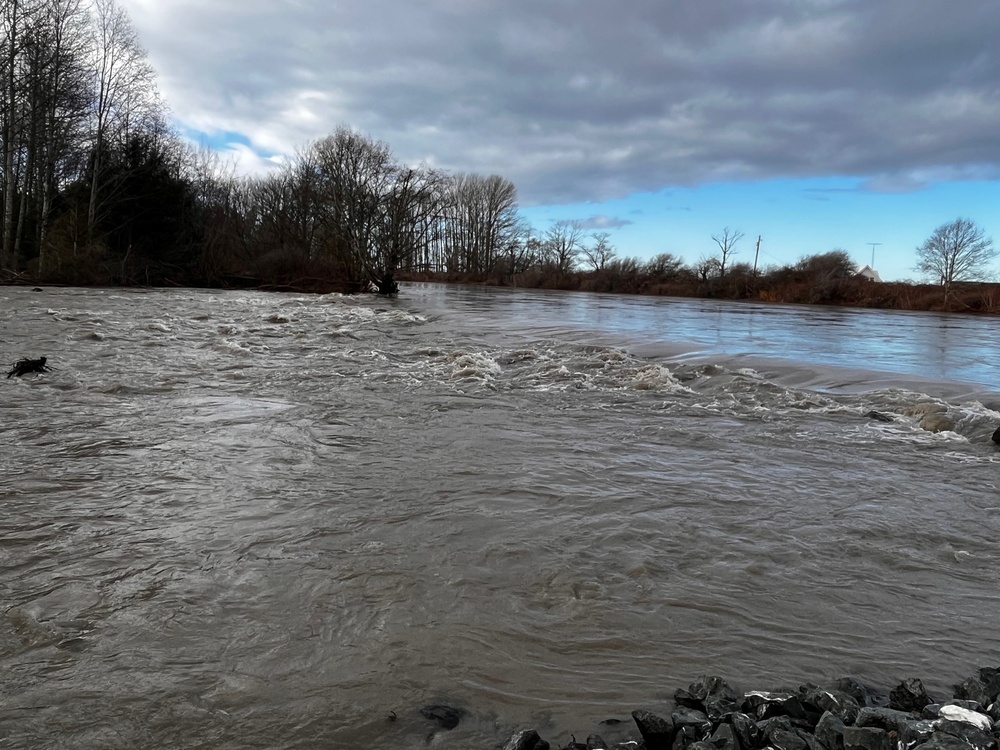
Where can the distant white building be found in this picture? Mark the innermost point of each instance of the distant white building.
(869, 273)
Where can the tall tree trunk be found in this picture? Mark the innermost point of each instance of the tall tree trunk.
(7, 259)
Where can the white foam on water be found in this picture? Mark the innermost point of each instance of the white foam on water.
(475, 366)
(657, 378)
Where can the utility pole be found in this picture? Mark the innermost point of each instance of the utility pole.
(874, 245)
(754, 277)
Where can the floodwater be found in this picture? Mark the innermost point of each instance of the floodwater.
(249, 520)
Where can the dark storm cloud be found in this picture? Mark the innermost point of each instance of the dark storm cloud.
(584, 101)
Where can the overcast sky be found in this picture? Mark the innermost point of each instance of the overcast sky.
(816, 123)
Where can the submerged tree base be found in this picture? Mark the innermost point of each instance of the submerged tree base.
(386, 286)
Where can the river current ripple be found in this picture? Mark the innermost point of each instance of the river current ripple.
(238, 520)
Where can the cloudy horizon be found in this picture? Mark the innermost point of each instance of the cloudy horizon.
(586, 105)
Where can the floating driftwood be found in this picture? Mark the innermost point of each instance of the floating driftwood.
(26, 366)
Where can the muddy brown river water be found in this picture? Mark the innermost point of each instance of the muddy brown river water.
(249, 520)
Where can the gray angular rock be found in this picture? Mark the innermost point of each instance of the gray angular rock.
(830, 732)
(866, 738)
(785, 739)
(942, 741)
(887, 719)
(769, 726)
(689, 735)
(916, 732)
(863, 694)
(724, 738)
(978, 719)
(973, 689)
(692, 725)
(840, 704)
(657, 732)
(909, 695)
(994, 712)
(526, 739)
(763, 705)
(747, 732)
(990, 676)
(811, 741)
(975, 737)
(933, 710)
(709, 694)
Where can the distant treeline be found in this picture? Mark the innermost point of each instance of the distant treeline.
(824, 279)
(95, 189)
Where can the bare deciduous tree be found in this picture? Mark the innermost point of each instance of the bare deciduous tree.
(601, 253)
(562, 244)
(481, 222)
(957, 251)
(44, 99)
(355, 174)
(62, 109)
(726, 242)
(708, 267)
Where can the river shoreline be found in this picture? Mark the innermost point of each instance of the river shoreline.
(849, 715)
(970, 298)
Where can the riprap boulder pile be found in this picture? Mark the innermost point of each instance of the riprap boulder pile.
(710, 715)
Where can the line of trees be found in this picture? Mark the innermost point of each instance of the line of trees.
(343, 209)
(95, 188)
(954, 258)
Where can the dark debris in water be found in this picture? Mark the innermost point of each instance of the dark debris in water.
(878, 416)
(26, 366)
(848, 715)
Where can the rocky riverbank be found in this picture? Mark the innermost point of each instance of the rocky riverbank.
(710, 715)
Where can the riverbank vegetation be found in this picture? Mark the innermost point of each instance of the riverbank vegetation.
(96, 189)
(824, 279)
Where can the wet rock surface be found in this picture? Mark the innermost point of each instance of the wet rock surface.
(849, 715)
(446, 717)
(879, 416)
